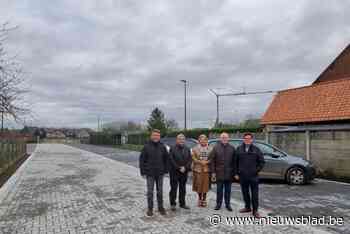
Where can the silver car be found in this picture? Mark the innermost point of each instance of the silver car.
(280, 165)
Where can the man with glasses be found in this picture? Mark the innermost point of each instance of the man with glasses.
(249, 162)
(180, 164)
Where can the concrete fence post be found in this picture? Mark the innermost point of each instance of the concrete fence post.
(267, 138)
(308, 145)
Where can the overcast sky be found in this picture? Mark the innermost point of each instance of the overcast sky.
(120, 59)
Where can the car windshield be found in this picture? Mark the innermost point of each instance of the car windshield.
(265, 148)
(190, 143)
(234, 143)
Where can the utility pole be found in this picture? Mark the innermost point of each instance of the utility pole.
(233, 94)
(98, 123)
(217, 106)
(185, 105)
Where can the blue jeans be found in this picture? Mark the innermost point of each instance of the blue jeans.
(220, 187)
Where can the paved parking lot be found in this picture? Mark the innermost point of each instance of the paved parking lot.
(63, 189)
(320, 198)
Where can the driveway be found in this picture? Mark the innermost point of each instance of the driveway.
(320, 198)
(63, 189)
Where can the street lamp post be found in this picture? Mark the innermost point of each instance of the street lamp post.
(185, 104)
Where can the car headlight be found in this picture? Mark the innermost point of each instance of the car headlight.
(309, 163)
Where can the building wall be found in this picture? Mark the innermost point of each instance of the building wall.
(338, 69)
(291, 142)
(329, 150)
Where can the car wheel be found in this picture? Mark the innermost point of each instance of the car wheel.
(296, 176)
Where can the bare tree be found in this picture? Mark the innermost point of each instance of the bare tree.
(12, 84)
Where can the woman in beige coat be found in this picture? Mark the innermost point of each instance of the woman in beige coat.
(200, 158)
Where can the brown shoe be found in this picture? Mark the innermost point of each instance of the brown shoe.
(256, 215)
(199, 203)
(245, 210)
(162, 211)
(204, 203)
(149, 212)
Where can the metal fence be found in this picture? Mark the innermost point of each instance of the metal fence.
(10, 152)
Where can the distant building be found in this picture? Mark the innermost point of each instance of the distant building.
(83, 134)
(55, 135)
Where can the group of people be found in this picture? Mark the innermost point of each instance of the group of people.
(221, 164)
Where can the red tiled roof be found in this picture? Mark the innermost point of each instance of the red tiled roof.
(327, 101)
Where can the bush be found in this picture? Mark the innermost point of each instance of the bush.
(194, 133)
(143, 137)
(101, 138)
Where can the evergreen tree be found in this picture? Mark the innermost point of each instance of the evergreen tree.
(157, 121)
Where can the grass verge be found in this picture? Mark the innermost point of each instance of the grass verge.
(6, 174)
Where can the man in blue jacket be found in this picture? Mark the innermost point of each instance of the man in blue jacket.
(249, 163)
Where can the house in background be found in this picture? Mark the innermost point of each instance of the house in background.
(314, 121)
(83, 135)
(55, 134)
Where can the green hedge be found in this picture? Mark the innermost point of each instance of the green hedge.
(100, 138)
(139, 138)
(142, 138)
(194, 133)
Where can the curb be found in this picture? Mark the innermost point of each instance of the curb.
(12, 181)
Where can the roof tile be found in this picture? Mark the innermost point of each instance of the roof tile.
(316, 103)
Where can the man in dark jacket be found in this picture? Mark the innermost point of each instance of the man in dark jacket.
(223, 167)
(250, 162)
(180, 164)
(153, 165)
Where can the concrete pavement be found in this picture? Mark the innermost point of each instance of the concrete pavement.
(62, 189)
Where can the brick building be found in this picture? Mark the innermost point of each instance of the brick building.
(314, 121)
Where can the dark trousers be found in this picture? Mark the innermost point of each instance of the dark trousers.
(250, 192)
(158, 181)
(177, 180)
(220, 187)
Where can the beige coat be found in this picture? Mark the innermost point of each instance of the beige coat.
(198, 153)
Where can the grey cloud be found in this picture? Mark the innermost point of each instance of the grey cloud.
(119, 59)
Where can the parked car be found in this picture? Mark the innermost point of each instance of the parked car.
(280, 165)
(171, 141)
